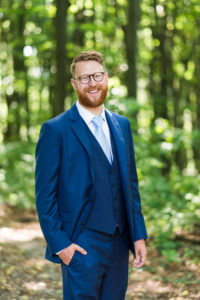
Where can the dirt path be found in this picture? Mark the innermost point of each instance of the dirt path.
(25, 275)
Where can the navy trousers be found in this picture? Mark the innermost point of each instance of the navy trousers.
(101, 274)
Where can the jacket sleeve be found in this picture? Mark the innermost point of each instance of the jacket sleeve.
(138, 219)
(48, 153)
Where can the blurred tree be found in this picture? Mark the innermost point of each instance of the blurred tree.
(13, 34)
(195, 99)
(130, 35)
(61, 62)
(126, 15)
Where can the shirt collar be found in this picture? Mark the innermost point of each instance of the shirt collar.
(86, 114)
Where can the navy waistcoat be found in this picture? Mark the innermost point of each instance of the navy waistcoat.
(108, 211)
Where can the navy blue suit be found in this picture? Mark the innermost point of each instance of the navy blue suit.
(66, 190)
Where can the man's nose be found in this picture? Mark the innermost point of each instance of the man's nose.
(92, 82)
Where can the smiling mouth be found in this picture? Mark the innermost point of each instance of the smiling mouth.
(93, 92)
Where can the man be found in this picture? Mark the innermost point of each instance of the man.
(87, 194)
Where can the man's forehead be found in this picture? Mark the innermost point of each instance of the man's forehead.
(88, 66)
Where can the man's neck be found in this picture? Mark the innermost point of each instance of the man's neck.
(94, 110)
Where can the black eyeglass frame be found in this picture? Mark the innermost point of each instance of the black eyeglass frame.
(89, 77)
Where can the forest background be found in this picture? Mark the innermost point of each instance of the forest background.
(152, 55)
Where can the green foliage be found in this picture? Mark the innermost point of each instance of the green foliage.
(17, 174)
(171, 203)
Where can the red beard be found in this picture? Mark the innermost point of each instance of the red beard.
(92, 100)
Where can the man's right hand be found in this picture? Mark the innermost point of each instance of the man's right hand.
(67, 253)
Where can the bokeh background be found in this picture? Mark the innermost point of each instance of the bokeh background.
(152, 54)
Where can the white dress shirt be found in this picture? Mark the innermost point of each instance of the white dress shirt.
(87, 116)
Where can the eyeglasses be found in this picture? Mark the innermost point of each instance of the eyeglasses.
(85, 79)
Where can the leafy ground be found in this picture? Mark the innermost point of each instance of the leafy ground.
(24, 274)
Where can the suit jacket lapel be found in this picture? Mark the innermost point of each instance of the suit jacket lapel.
(80, 131)
(120, 145)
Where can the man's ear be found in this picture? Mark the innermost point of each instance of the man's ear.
(73, 83)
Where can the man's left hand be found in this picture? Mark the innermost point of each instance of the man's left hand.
(141, 253)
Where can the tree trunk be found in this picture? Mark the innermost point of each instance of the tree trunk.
(196, 118)
(61, 65)
(160, 64)
(130, 34)
(18, 98)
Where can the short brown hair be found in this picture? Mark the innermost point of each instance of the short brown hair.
(85, 56)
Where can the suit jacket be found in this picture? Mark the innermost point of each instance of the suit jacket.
(65, 181)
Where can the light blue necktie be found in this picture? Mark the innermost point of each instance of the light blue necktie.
(101, 138)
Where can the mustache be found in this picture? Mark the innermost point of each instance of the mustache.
(94, 89)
